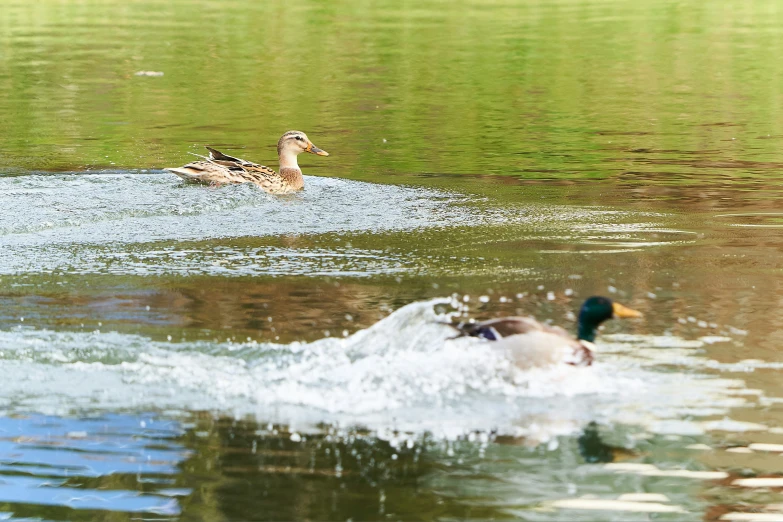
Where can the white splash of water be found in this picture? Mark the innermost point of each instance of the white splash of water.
(403, 373)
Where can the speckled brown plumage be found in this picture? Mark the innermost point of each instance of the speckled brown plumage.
(220, 169)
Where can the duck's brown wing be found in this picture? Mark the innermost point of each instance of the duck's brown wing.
(495, 329)
(209, 172)
(221, 168)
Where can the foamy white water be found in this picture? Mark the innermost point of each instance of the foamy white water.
(403, 373)
(131, 207)
(153, 224)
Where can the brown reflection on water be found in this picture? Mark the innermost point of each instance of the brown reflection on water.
(245, 470)
(264, 309)
(283, 309)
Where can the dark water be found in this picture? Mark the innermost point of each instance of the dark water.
(176, 352)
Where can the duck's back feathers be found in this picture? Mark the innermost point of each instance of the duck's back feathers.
(216, 155)
(496, 329)
(211, 172)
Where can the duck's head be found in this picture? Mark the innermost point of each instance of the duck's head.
(596, 310)
(296, 142)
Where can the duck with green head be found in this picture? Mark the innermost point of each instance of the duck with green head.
(532, 344)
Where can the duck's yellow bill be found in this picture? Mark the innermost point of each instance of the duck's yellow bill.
(312, 149)
(624, 312)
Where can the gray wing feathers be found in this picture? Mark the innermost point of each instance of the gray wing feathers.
(215, 154)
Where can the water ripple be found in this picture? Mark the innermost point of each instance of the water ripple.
(45, 460)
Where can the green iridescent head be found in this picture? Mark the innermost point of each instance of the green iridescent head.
(595, 311)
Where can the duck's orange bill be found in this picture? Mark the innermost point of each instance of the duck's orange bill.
(312, 149)
(624, 312)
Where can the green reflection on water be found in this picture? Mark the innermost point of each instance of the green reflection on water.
(569, 90)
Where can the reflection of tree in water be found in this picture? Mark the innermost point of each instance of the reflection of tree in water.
(243, 470)
(593, 449)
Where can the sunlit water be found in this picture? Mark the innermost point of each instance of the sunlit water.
(187, 352)
(152, 224)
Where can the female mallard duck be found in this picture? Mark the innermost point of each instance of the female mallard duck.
(219, 168)
(532, 344)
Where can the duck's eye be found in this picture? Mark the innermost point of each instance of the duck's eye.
(299, 138)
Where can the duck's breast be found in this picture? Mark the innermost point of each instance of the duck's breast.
(541, 348)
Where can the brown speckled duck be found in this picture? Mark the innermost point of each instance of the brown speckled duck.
(531, 344)
(219, 169)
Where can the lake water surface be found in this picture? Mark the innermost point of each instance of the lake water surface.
(183, 352)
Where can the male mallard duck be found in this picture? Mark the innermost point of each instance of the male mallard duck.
(219, 168)
(532, 344)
